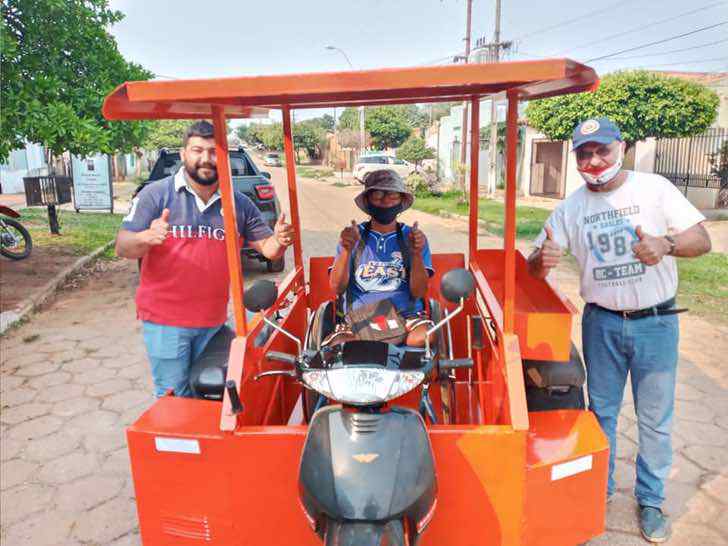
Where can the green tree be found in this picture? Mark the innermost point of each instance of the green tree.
(309, 136)
(167, 133)
(414, 150)
(254, 133)
(326, 122)
(415, 116)
(272, 136)
(641, 103)
(242, 132)
(58, 62)
(388, 126)
(349, 119)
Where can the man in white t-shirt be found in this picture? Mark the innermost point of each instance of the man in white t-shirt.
(625, 229)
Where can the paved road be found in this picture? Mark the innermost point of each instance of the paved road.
(76, 375)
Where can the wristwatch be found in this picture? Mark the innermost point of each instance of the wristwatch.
(672, 243)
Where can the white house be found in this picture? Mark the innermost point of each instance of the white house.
(28, 161)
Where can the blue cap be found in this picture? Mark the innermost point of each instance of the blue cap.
(601, 130)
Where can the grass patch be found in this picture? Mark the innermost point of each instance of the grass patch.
(316, 173)
(529, 220)
(704, 285)
(340, 185)
(81, 232)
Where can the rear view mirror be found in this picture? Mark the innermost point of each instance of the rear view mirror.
(260, 296)
(265, 174)
(456, 285)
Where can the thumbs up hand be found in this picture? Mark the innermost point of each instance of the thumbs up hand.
(158, 230)
(649, 249)
(550, 253)
(349, 236)
(417, 239)
(283, 232)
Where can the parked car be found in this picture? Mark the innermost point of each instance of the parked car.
(272, 159)
(247, 178)
(374, 162)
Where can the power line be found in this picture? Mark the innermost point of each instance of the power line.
(692, 62)
(571, 21)
(640, 28)
(671, 51)
(441, 59)
(657, 42)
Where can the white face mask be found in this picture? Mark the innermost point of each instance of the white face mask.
(604, 176)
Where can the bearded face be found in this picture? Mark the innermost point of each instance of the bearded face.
(200, 161)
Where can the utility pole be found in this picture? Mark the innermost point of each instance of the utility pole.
(464, 137)
(362, 132)
(493, 148)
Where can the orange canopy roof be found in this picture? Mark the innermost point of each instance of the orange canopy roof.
(252, 96)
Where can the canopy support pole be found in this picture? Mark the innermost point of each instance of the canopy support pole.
(292, 191)
(230, 221)
(474, 156)
(509, 229)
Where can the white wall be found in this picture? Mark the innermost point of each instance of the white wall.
(22, 163)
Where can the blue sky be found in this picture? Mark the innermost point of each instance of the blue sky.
(184, 39)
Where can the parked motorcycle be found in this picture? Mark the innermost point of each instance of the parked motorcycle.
(367, 474)
(15, 241)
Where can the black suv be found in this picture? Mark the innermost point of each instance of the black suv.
(246, 178)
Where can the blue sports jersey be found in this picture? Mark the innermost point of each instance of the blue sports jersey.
(380, 273)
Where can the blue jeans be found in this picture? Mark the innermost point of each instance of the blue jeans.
(646, 349)
(171, 351)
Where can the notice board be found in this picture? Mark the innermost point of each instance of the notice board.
(92, 188)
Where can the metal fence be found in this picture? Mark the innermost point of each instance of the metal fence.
(692, 162)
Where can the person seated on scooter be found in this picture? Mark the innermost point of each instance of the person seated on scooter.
(389, 260)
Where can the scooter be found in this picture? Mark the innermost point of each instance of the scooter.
(367, 473)
(15, 241)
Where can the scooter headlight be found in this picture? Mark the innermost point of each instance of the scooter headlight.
(362, 386)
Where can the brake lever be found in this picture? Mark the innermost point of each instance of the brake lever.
(281, 357)
(289, 373)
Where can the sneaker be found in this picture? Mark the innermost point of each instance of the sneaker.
(653, 524)
(611, 496)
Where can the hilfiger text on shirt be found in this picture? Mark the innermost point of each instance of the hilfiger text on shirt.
(199, 232)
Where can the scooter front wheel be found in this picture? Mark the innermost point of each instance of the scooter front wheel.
(15, 241)
(358, 533)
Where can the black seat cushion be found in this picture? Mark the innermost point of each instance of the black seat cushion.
(555, 385)
(545, 373)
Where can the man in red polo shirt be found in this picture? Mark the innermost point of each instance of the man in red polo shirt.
(176, 225)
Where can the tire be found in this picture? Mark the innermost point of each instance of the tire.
(275, 266)
(10, 227)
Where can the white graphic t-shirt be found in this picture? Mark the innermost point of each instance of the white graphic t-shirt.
(598, 228)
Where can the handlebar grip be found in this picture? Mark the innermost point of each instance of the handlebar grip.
(456, 363)
(281, 357)
(232, 391)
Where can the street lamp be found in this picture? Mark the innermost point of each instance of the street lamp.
(361, 108)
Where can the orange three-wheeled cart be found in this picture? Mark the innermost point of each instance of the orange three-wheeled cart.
(206, 472)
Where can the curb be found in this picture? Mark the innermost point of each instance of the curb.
(31, 303)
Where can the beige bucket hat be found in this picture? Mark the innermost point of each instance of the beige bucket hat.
(386, 180)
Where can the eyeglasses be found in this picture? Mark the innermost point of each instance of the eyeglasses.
(381, 194)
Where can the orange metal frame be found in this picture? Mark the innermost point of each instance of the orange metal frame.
(498, 462)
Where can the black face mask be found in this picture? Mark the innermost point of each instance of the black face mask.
(384, 215)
